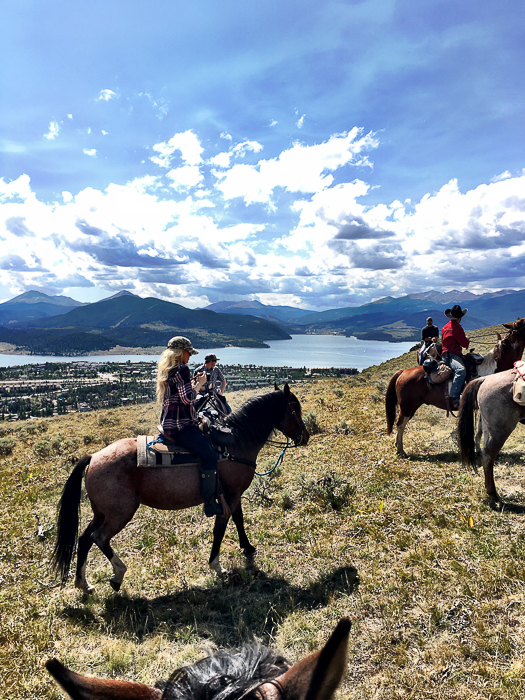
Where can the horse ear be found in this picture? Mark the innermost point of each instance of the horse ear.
(318, 676)
(510, 326)
(275, 387)
(286, 389)
(82, 688)
(498, 335)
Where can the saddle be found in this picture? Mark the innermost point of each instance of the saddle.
(161, 452)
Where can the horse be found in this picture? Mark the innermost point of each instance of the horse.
(117, 487)
(499, 413)
(411, 389)
(253, 672)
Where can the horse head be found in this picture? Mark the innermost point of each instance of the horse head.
(292, 424)
(316, 677)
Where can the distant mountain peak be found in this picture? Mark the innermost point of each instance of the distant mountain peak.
(123, 293)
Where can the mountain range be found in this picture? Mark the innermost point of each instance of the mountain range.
(126, 320)
(40, 324)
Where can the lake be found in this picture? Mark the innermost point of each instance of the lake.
(301, 351)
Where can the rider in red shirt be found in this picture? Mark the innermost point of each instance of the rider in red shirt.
(454, 340)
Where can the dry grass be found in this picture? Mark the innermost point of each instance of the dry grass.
(344, 528)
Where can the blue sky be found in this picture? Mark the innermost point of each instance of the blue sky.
(299, 153)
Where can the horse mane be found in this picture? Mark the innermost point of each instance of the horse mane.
(226, 675)
(257, 417)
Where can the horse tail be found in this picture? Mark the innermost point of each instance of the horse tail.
(467, 447)
(68, 520)
(391, 402)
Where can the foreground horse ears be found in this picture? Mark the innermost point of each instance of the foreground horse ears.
(316, 677)
(82, 688)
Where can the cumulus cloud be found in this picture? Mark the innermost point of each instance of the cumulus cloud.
(90, 152)
(294, 228)
(301, 168)
(187, 143)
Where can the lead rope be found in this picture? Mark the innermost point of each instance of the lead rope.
(279, 461)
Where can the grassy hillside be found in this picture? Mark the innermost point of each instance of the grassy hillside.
(344, 527)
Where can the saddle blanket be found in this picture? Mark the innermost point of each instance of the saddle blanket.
(162, 455)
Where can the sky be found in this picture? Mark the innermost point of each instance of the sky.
(309, 154)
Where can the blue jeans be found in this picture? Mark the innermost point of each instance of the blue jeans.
(192, 439)
(455, 362)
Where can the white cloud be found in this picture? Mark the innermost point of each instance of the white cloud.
(184, 177)
(299, 123)
(221, 160)
(90, 152)
(242, 148)
(326, 246)
(225, 135)
(106, 95)
(299, 169)
(54, 129)
(186, 142)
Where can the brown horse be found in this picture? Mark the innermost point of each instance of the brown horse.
(500, 414)
(250, 673)
(117, 487)
(410, 388)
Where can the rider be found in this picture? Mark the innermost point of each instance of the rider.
(214, 375)
(454, 339)
(429, 335)
(176, 392)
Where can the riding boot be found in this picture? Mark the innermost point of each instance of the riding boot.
(208, 492)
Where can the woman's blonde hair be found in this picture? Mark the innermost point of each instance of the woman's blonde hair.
(168, 360)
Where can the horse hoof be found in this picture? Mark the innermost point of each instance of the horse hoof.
(115, 585)
(84, 586)
(215, 565)
(249, 551)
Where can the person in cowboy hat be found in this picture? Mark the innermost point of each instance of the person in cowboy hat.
(453, 339)
(213, 376)
(176, 393)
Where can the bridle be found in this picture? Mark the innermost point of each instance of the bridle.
(297, 438)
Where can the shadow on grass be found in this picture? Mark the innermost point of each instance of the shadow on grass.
(506, 505)
(445, 457)
(238, 607)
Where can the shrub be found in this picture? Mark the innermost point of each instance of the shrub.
(311, 422)
(6, 446)
(42, 449)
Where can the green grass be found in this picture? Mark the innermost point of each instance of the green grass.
(344, 527)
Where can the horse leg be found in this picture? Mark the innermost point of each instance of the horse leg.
(218, 535)
(102, 535)
(85, 542)
(245, 544)
(401, 424)
(488, 457)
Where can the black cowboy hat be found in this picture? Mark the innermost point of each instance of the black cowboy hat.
(455, 312)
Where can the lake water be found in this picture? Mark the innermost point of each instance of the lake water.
(301, 351)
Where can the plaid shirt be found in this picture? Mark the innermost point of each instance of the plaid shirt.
(177, 408)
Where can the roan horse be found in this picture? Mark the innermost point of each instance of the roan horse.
(499, 415)
(117, 487)
(250, 673)
(410, 388)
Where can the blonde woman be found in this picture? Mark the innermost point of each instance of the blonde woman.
(176, 392)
